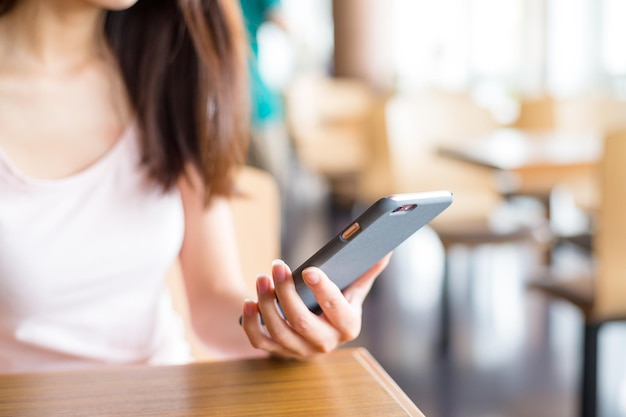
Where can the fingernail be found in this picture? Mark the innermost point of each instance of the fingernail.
(249, 309)
(278, 270)
(248, 306)
(262, 284)
(311, 276)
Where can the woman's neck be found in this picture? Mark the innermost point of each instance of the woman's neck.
(52, 36)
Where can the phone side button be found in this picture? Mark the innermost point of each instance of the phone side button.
(351, 231)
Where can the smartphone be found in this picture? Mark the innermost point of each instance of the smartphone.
(368, 238)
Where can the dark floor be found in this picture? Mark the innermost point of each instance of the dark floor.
(511, 355)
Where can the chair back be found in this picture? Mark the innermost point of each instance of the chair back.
(536, 113)
(257, 218)
(417, 123)
(610, 238)
(590, 113)
(327, 118)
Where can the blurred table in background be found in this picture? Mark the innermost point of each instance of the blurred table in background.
(556, 168)
(347, 382)
(533, 163)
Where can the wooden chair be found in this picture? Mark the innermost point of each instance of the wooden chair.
(536, 113)
(601, 297)
(257, 217)
(416, 125)
(590, 113)
(328, 120)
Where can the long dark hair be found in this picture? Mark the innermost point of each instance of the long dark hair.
(183, 63)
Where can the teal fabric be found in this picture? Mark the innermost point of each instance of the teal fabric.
(266, 104)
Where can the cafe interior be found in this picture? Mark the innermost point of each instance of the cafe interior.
(512, 302)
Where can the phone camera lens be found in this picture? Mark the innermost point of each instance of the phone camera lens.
(404, 208)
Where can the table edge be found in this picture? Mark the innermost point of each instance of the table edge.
(371, 365)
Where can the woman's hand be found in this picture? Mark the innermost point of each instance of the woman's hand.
(301, 333)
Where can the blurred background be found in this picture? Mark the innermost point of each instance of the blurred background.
(498, 306)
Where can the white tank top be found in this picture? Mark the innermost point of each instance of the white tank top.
(83, 261)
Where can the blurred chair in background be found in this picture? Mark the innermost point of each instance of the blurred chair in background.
(416, 126)
(576, 195)
(590, 113)
(601, 297)
(329, 122)
(257, 219)
(256, 215)
(536, 113)
(586, 115)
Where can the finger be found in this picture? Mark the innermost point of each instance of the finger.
(316, 331)
(258, 336)
(252, 324)
(337, 310)
(278, 329)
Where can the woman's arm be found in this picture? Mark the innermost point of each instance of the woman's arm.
(216, 291)
(213, 277)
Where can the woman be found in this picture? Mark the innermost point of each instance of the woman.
(120, 124)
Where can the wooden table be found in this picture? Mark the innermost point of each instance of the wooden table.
(347, 382)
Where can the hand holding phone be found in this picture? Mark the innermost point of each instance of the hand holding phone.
(345, 258)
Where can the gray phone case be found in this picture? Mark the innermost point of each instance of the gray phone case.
(380, 229)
